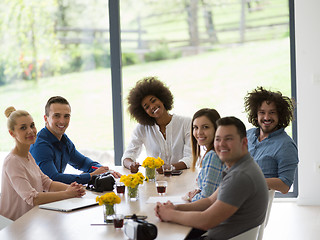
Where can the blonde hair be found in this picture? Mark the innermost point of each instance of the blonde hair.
(12, 114)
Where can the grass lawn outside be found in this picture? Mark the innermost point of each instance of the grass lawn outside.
(217, 79)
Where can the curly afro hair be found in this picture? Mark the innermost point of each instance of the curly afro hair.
(254, 100)
(144, 87)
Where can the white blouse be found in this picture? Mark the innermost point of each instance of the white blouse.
(175, 148)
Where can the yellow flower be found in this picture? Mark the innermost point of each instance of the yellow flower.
(135, 181)
(108, 198)
(132, 180)
(151, 162)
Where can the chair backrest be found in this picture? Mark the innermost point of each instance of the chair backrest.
(4, 222)
(251, 234)
(271, 197)
(264, 224)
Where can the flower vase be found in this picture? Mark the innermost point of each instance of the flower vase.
(133, 193)
(151, 174)
(108, 211)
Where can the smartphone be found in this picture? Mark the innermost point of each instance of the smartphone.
(176, 172)
(139, 217)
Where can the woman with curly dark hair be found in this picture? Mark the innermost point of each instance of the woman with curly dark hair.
(269, 145)
(163, 134)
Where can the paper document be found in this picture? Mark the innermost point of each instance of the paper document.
(163, 199)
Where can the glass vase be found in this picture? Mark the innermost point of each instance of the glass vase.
(133, 193)
(151, 174)
(108, 211)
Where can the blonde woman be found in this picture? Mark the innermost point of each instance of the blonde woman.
(23, 183)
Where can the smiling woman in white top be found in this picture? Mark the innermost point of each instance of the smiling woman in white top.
(163, 134)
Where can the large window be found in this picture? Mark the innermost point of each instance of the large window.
(210, 53)
(58, 47)
(237, 48)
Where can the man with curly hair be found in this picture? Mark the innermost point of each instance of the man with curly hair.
(268, 143)
(163, 134)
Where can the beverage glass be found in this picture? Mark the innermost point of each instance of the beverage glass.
(120, 188)
(118, 220)
(161, 187)
(167, 170)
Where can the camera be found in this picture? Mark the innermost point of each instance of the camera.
(136, 229)
(102, 182)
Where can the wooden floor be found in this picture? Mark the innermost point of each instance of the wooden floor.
(289, 221)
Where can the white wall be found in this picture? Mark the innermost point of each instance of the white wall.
(307, 20)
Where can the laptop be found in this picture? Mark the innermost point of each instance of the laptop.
(70, 204)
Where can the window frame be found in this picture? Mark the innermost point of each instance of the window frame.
(295, 192)
(116, 72)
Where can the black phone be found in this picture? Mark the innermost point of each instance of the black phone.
(176, 172)
(139, 217)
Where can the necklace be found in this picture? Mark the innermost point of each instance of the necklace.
(163, 126)
(22, 155)
(163, 132)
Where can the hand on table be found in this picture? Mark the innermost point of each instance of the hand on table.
(99, 170)
(134, 167)
(188, 197)
(115, 174)
(75, 190)
(160, 170)
(164, 211)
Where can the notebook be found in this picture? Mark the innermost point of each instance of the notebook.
(69, 205)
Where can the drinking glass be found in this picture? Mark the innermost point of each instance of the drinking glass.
(167, 170)
(118, 220)
(161, 187)
(120, 188)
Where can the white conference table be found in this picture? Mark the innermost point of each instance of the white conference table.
(88, 223)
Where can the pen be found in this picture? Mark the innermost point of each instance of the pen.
(93, 167)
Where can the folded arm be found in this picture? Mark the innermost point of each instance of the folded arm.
(203, 214)
(59, 191)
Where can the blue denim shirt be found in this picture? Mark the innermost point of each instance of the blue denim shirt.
(53, 155)
(277, 155)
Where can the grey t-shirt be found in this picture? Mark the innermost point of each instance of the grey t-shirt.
(243, 186)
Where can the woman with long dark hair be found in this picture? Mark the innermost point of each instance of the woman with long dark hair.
(203, 127)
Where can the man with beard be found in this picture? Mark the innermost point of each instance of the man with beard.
(268, 143)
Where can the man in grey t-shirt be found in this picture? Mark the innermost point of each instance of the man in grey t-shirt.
(240, 202)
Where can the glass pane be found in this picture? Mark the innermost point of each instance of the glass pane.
(210, 53)
(58, 47)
